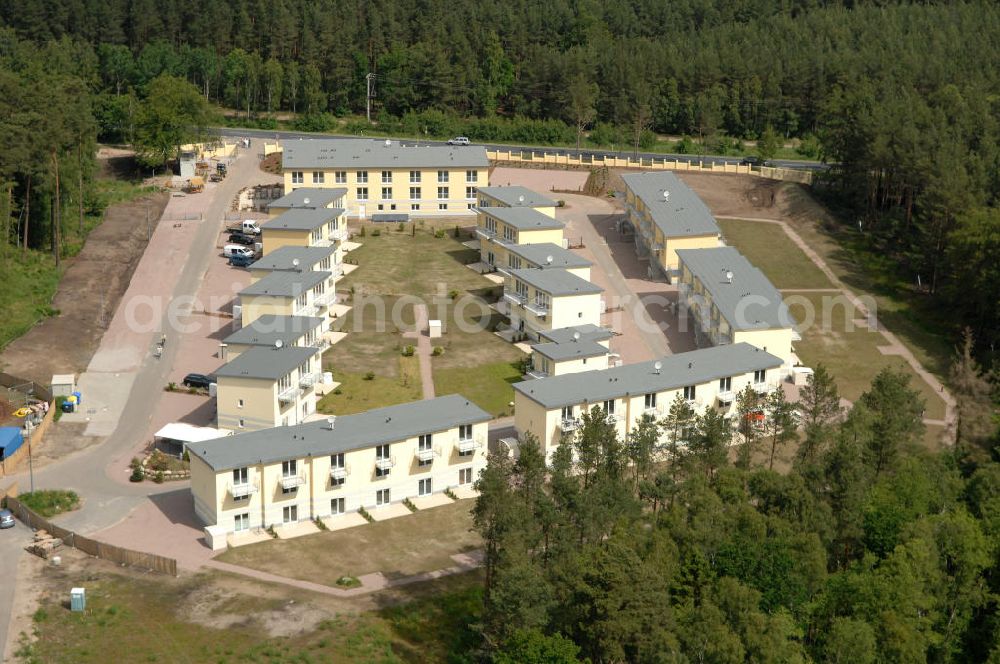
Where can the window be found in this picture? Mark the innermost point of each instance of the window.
(239, 403)
(240, 479)
(689, 392)
(609, 407)
(381, 207)
(386, 193)
(414, 206)
(491, 224)
(297, 177)
(415, 176)
(337, 506)
(362, 177)
(726, 384)
(470, 193)
(443, 193)
(290, 514)
(382, 497)
(442, 176)
(465, 476)
(542, 300)
(465, 432)
(759, 375)
(242, 423)
(650, 401)
(362, 193)
(509, 234)
(340, 177)
(382, 454)
(567, 412)
(521, 289)
(318, 177)
(424, 445)
(241, 522)
(289, 469)
(442, 206)
(338, 474)
(386, 176)
(414, 193)
(514, 262)
(424, 487)
(471, 176)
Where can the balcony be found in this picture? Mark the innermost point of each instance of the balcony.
(764, 387)
(537, 374)
(515, 298)
(339, 234)
(538, 308)
(308, 310)
(292, 482)
(288, 394)
(614, 418)
(385, 463)
(485, 233)
(569, 424)
(309, 379)
(655, 411)
(466, 445)
(427, 453)
(242, 489)
(339, 472)
(325, 299)
(726, 396)
(322, 344)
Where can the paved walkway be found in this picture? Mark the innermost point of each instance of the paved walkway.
(895, 347)
(421, 333)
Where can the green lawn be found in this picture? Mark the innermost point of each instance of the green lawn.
(407, 545)
(768, 247)
(358, 394)
(30, 282)
(852, 356)
(50, 502)
(487, 385)
(141, 619)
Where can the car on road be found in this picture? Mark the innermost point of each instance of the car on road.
(6, 519)
(197, 380)
(459, 140)
(754, 162)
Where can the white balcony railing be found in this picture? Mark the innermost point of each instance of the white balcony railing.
(764, 387)
(322, 344)
(308, 379)
(486, 233)
(288, 394)
(614, 418)
(466, 445)
(514, 298)
(537, 308)
(426, 453)
(242, 489)
(385, 463)
(325, 299)
(569, 424)
(339, 472)
(726, 396)
(537, 374)
(292, 481)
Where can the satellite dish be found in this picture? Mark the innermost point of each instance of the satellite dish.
(295, 262)
(657, 366)
(729, 276)
(306, 201)
(278, 343)
(549, 259)
(576, 336)
(520, 199)
(388, 142)
(666, 195)
(331, 420)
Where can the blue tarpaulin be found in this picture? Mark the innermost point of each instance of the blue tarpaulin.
(10, 440)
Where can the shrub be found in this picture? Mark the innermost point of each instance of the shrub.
(348, 582)
(439, 233)
(319, 524)
(376, 232)
(437, 351)
(50, 501)
(192, 390)
(363, 230)
(560, 203)
(401, 227)
(158, 477)
(157, 460)
(408, 351)
(370, 375)
(365, 515)
(451, 494)
(171, 387)
(453, 294)
(337, 390)
(409, 505)
(186, 456)
(457, 233)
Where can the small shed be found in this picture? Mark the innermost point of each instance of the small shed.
(179, 435)
(434, 329)
(11, 439)
(63, 385)
(187, 162)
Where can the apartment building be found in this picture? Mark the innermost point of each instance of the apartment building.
(536, 300)
(269, 330)
(286, 293)
(557, 359)
(587, 332)
(516, 196)
(305, 227)
(731, 301)
(389, 176)
(294, 258)
(542, 256)
(667, 216)
(330, 467)
(268, 387)
(707, 378)
(500, 228)
(312, 198)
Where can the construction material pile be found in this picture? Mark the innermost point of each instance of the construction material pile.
(44, 544)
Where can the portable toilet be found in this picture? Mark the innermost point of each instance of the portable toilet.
(63, 384)
(79, 397)
(77, 599)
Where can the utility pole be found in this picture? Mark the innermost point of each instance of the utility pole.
(369, 93)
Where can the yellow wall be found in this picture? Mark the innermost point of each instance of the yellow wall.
(669, 255)
(776, 342)
(275, 239)
(260, 403)
(255, 306)
(563, 311)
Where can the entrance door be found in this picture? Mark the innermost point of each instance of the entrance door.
(361, 211)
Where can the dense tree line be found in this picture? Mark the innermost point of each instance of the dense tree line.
(651, 550)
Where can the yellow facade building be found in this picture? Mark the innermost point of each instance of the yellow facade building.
(287, 293)
(270, 329)
(550, 408)
(501, 228)
(516, 196)
(304, 227)
(332, 467)
(537, 300)
(389, 177)
(542, 256)
(295, 258)
(731, 301)
(311, 198)
(666, 217)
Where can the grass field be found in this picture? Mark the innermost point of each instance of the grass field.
(768, 247)
(418, 542)
(397, 269)
(50, 502)
(147, 619)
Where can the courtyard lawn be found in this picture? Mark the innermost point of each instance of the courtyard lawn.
(768, 247)
(358, 393)
(851, 356)
(487, 385)
(50, 502)
(407, 545)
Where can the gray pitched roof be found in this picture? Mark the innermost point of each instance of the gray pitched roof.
(302, 219)
(556, 282)
(350, 432)
(309, 197)
(270, 328)
(588, 331)
(266, 363)
(692, 368)
(282, 257)
(522, 218)
(750, 302)
(511, 196)
(354, 153)
(538, 255)
(683, 214)
(570, 350)
(286, 283)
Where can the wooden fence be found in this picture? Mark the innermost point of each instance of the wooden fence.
(542, 159)
(12, 463)
(92, 547)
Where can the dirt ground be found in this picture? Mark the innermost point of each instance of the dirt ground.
(88, 295)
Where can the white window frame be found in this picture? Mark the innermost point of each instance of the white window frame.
(290, 514)
(425, 487)
(465, 476)
(337, 506)
(362, 193)
(414, 177)
(319, 177)
(241, 522)
(382, 497)
(443, 177)
(361, 177)
(340, 177)
(298, 177)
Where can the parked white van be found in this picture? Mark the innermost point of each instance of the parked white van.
(231, 250)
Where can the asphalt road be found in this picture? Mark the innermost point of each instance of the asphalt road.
(12, 543)
(783, 163)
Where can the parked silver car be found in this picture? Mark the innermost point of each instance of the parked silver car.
(459, 140)
(6, 519)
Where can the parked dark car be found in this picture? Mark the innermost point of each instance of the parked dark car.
(242, 261)
(6, 519)
(754, 162)
(240, 238)
(197, 380)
